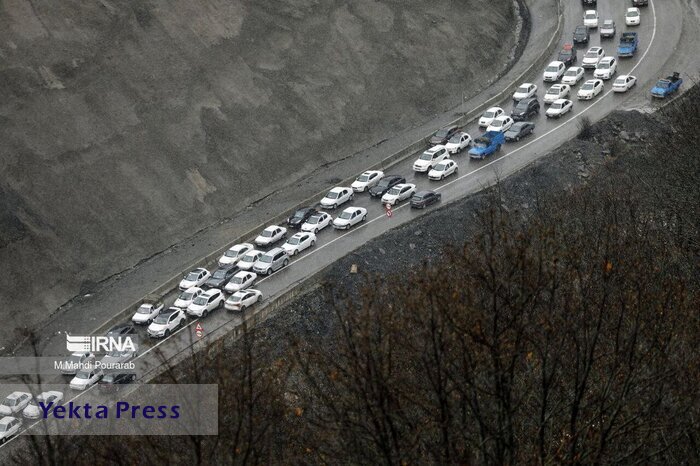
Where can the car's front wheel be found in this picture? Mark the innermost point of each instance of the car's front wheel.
(364, 217)
(166, 334)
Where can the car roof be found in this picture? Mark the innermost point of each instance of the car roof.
(568, 47)
(493, 109)
(559, 101)
(192, 289)
(211, 291)
(590, 11)
(271, 227)
(595, 49)
(273, 251)
(241, 273)
(16, 394)
(435, 148)
(170, 310)
(555, 63)
(301, 233)
(608, 58)
(238, 247)
(519, 124)
(526, 84)
(7, 420)
(574, 68)
(226, 267)
(608, 22)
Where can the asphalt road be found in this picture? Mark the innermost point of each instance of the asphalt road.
(667, 42)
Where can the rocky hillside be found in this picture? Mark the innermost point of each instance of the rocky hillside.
(127, 126)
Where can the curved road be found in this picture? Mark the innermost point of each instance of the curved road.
(660, 52)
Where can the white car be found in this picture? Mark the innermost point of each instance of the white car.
(489, 115)
(590, 89)
(317, 222)
(206, 302)
(556, 92)
(526, 90)
(592, 57)
(366, 180)
(349, 217)
(33, 410)
(166, 322)
(270, 235)
(9, 426)
(443, 169)
(559, 108)
(235, 253)
(147, 312)
(554, 71)
(502, 124)
(633, 17)
(186, 297)
(458, 143)
(299, 242)
(573, 75)
(86, 379)
(606, 68)
(240, 300)
(336, 197)
(197, 277)
(241, 281)
(429, 158)
(75, 360)
(399, 193)
(624, 83)
(590, 19)
(14, 403)
(248, 261)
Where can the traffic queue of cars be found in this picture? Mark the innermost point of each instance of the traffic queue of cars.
(241, 266)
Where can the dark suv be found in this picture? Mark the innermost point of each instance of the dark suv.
(567, 55)
(385, 184)
(300, 216)
(581, 35)
(221, 276)
(443, 135)
(525, 109)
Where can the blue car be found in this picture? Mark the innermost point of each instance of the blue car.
(487, 144)
(628, 44)
(666, 87)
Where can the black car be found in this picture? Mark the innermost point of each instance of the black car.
(221, 276)
(443, 135)
(525, 109)
(300, 216)
(110, 383)
(640, 2)
(385, 184)
(519, 130)
(423, 199)
(581, 35)
(567, 55)
(121, 329)
(588, 2)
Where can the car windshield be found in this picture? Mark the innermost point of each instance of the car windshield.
(632, 14)
(220, 274)
(581, 30)
(607, 24)
(516, 127)
(266, 234)
(587, 87)
(252, 257)
(231, 253)
(266, 259)
(590, 16)
(8, 402)
(553, 90)
(426, 156)
(200, 300)
(604, 66)
(192, 277)
(571, 73)
(83, 375)
(565, 53)
(186, 296)
(294, 240)
(346, 215)
(162, 319)
(663, 84)
(234, 298)
(523, 89)
(394, 191)
(481, 144)
(557, 106)
(489, 114)
(441, 133)
(237, 280)
(620, 81)
(455, 139)
(332, 195)
(144, 309)
(552, 69)
(4, 427)
(497, 123)
(363, 178)
(313, 220)
(591, 54)
(440, 167)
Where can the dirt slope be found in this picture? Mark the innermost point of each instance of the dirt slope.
(127, 126)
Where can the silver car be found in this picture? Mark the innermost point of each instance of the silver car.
(271, 261)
